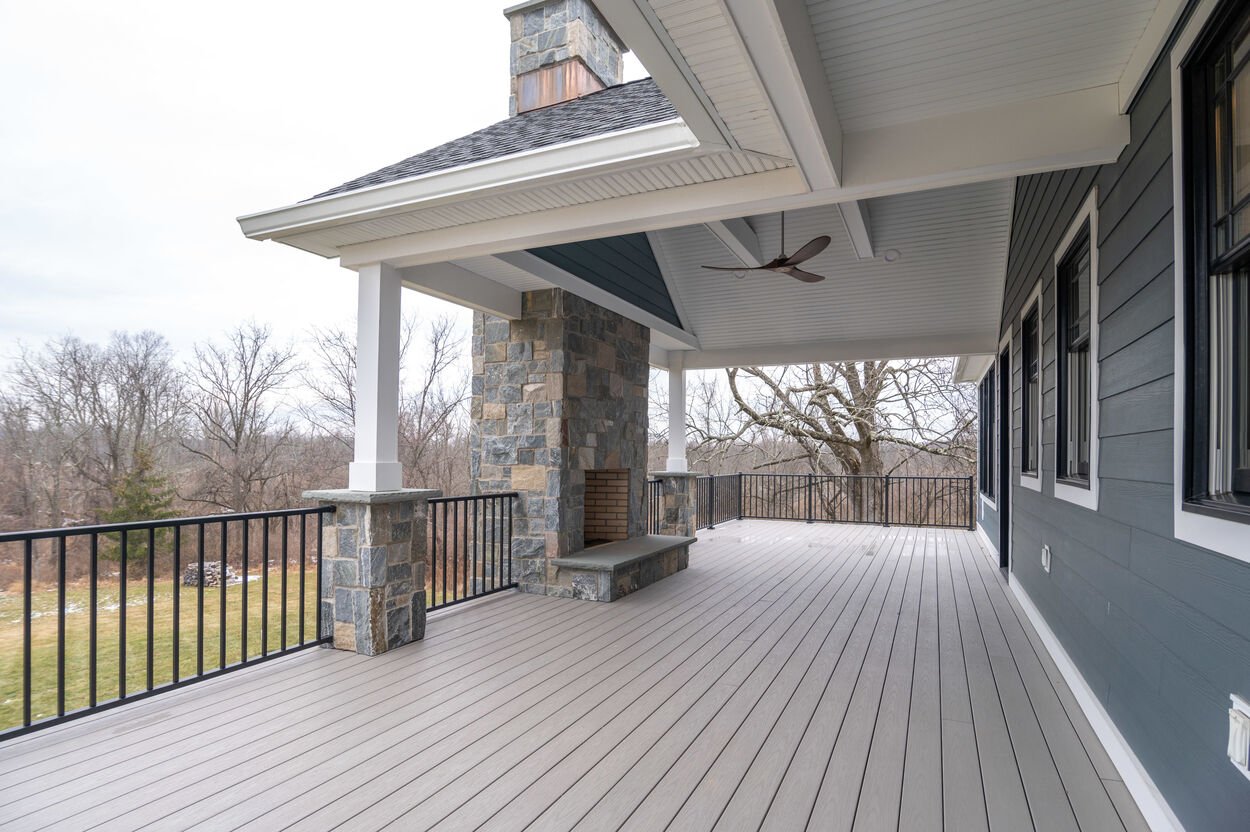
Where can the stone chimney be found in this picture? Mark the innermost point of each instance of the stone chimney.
(561, 50)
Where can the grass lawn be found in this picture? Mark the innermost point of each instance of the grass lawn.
(78, 628)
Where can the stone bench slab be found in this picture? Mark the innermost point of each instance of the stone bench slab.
(612, 570)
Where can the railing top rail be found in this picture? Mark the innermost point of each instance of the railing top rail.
(145, 525)
(495, 495)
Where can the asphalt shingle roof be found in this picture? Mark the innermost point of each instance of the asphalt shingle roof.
(615, 108)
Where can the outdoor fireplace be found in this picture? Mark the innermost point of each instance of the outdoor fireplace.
(607, 506)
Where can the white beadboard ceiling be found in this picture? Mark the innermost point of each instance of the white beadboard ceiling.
(705, 36)
(708, 167)
(946, 283)
(895, 61)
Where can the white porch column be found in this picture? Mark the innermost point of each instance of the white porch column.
(676, 412)
(376, 466)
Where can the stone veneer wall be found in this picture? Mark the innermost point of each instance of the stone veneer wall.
(561, 391)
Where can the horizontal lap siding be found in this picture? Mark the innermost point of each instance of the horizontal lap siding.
(1159, 629)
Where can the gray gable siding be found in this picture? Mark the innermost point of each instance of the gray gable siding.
(1159, 629)
(625, 266)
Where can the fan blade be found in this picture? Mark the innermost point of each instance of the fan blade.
(735, 268)
(806, 277)
(808, 251)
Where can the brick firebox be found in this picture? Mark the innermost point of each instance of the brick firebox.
(607, 506)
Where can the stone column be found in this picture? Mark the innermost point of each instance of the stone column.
(374, 549)
(677, 496)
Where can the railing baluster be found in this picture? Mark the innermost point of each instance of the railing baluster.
(245, 586)
(285, 557)
(221, 595)
(177, 602)
(93, 636)
(121, 620)
(303, 555)
(28, 565)
(151, 616)
(199, 602)
(264, 588)
(60, 625)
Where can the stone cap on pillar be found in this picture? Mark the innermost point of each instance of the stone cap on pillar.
(372, 498)
(673, 474)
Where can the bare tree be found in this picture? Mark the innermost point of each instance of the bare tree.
(236, 397)
(98, 408)
(431, 418)
(852, 417)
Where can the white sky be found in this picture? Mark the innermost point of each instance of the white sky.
(133, 133)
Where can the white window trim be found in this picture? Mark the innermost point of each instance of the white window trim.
(1227, 537)
(1087, 497)
(1032, 481)
(1007, 343)
(991, 502)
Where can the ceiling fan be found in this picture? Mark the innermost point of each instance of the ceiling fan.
(783, 264)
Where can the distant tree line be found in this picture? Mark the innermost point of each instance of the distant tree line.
(123, 430)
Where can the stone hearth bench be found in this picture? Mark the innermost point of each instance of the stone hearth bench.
(610, 570)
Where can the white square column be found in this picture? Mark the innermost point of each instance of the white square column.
(676, 413)
(376, 465)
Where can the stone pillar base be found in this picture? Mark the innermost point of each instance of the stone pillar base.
(677, 496)
(373, 568)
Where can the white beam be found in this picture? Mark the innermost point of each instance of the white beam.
(855, 218)
(457, 284)
(637, 25)
(740, 239)
(1068, 130)
(557, 276)
(869, 349)
(376, 464)
(781, 45)
(676, 413)
(658, 357)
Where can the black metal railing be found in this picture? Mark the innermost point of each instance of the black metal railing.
(942, 502)
(470, 548)
(717, 499)
(91, 581)
(655, 506)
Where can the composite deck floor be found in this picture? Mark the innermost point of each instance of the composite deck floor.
(795, 676)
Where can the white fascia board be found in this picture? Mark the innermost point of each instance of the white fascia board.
(1072, 129)
(869, 349)
(740, 239)
(457, 284)
(557, 276)
(636, 23)
(649, 144)
(970, 369)
(1167, 15)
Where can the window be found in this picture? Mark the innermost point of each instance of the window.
(1030, 390)
(1216, 461)
(986, 467)
(1072, 292)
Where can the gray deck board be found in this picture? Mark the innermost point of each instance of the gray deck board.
(829, 677)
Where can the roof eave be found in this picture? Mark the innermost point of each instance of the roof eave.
(602, 153)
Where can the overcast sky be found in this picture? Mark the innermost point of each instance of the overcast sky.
(133, 134)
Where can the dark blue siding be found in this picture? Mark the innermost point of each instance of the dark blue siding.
(1160, 629)
(624, 266)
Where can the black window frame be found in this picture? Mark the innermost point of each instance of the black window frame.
(1031, 406)
(1201, 95)
(987, 468)
(1065, 272)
